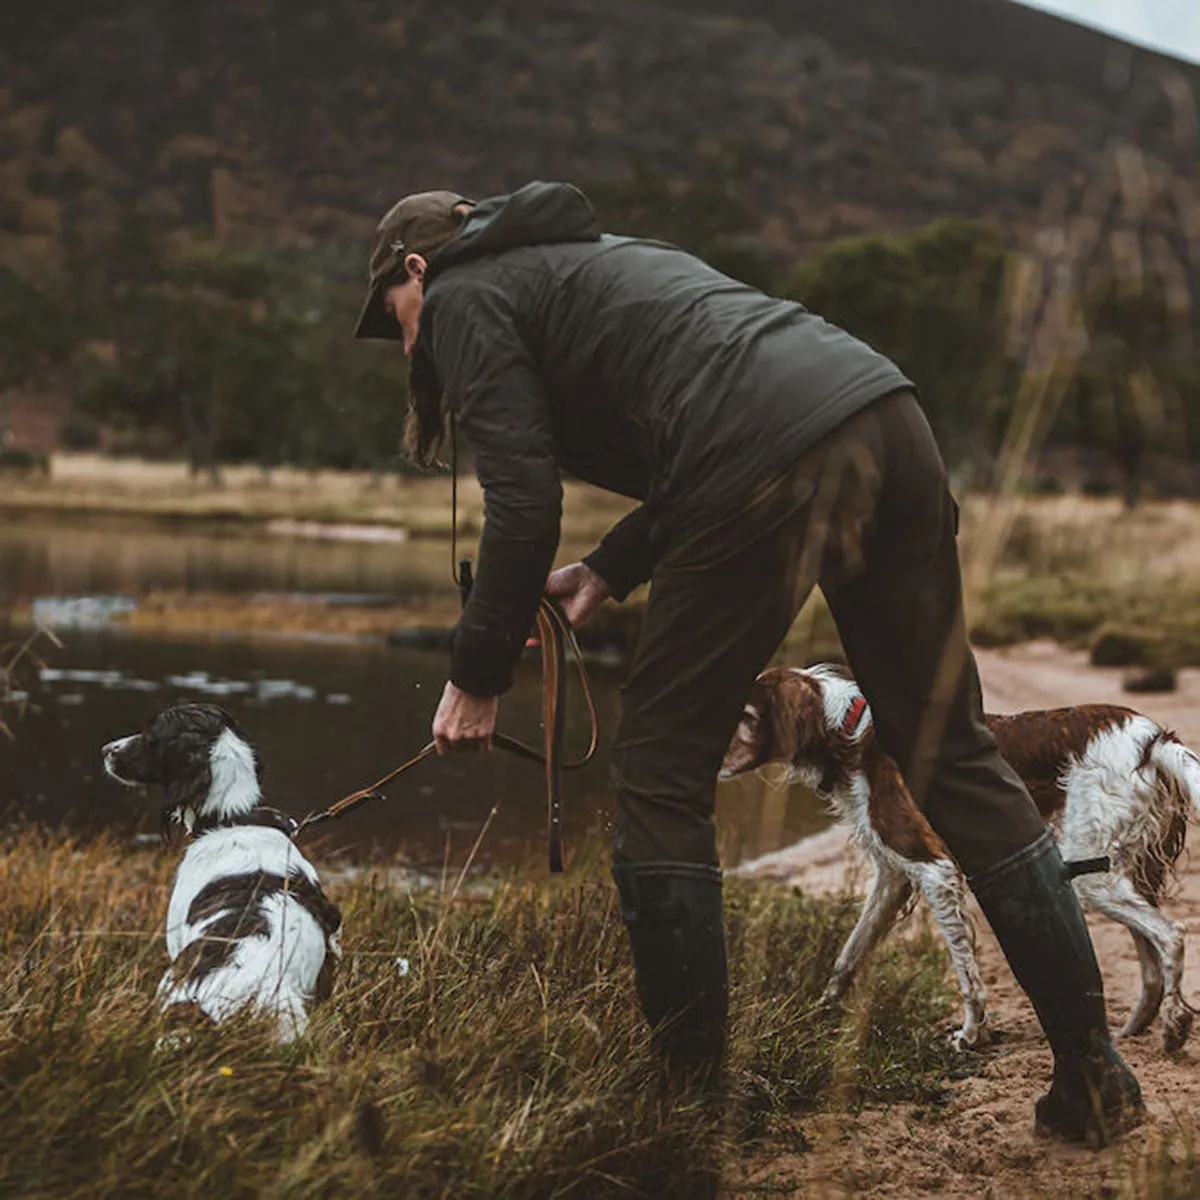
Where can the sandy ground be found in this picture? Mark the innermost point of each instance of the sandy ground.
(982, 1144)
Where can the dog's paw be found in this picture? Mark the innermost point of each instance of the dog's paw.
(1176, 1028)
(970, 1038)
(832, 997)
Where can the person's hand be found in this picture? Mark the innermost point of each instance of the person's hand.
(464, 722)
(580, 591)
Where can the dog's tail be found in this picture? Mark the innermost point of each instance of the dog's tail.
(1178, 767)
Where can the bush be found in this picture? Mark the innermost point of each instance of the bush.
(1122, 646)
(79, 434)
(150, 443)
(1098, 487)
(24, 462)
(931, 301)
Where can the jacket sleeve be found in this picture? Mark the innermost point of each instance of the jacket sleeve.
(504, 417)
(625, 556)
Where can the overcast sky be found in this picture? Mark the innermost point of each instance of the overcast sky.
(1172, 26)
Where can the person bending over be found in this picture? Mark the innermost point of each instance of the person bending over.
(771, 452)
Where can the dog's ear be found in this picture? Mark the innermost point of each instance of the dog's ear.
(234, 727)
(747, 747)
(230, 720)
(190, 777)
(797, 716)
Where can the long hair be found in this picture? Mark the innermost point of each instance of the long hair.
(425, 424)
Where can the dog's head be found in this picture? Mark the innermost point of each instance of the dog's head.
(196, 753)
(799, 717)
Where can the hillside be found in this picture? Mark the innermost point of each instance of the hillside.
(285, 121)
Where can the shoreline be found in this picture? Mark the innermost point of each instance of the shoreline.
(86, 485)
(1078, 570)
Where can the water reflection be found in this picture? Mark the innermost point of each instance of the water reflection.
(327, 717)
(42, 557)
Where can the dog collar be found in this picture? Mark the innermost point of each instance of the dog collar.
(854, 716)
(260, 815)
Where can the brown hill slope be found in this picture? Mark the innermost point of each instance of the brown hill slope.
(288, 117)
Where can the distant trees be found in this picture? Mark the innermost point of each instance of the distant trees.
(35, 339)
(706, 217)
(243, 357)
(177, 346)
(1137, 390)
(937, 301)
(932, 301)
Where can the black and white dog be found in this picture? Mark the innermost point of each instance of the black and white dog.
(248, 924)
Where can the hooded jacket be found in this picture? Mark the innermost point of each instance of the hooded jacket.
(629, 363)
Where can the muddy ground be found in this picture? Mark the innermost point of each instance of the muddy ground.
(981, 1144)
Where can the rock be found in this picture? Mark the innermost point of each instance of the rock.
(1152, 679)
(1122, 646)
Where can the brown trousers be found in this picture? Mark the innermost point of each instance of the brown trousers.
(868, 515)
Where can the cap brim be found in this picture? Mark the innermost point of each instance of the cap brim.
(375, 321)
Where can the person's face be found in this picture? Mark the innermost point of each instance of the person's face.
(404, 300)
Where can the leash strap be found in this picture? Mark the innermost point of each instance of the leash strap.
(554, 703)
(556, 637)
(371, 792)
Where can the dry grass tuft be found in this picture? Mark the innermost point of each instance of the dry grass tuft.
(19, 663)
(508, 1059)
(1089, 573)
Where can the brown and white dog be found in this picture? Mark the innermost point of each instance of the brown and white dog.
(1111, 781)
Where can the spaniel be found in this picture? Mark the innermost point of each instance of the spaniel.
(248, 926)
(1112, 783)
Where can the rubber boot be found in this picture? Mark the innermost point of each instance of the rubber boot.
(1033, 910)
(674, 915)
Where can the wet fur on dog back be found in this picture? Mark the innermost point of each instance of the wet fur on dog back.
(1111, 780)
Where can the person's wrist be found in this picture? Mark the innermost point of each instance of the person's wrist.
(594, 581)
(471, 695)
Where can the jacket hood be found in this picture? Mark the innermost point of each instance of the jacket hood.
(533, 215)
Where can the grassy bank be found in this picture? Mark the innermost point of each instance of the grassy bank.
(1089, 573)
(92, 484)
(508, 1059)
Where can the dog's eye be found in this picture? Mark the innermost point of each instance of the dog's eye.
(750, 719)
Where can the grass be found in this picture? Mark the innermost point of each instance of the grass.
(19, 664)
(1089, 573)
(508, 1061)
(1168, 1169)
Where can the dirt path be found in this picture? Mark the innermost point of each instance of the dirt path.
(982, 1145)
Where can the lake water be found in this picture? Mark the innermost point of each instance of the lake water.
(326, 717)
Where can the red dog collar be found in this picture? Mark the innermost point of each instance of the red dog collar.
(854, 716)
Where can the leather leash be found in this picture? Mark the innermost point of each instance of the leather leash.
(556, 636)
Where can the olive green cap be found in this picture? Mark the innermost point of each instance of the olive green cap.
(418, 224)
